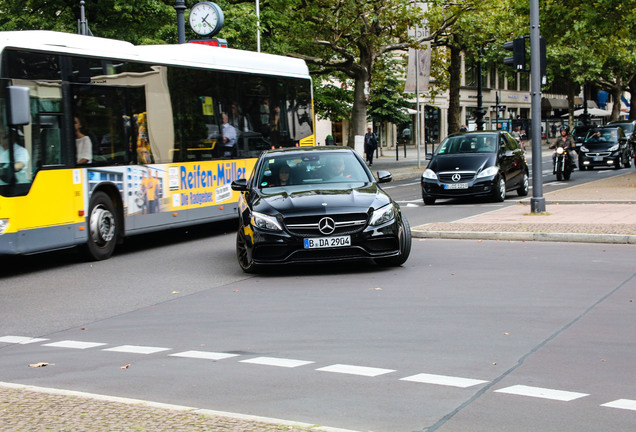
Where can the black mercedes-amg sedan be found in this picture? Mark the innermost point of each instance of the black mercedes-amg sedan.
(317, 204)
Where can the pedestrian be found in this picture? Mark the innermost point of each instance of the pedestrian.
(370, 144)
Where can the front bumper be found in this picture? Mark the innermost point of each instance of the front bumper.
(268, 248)
(600, 159)
(476, 187)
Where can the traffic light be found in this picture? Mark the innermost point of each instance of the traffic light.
(518, 48)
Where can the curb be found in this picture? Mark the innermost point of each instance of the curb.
(527, 236)
(283, 424)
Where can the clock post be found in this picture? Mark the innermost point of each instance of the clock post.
(180, 7)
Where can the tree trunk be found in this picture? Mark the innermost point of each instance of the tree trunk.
(632, 90)
(361, 93)
(617, 92)
(454, 110)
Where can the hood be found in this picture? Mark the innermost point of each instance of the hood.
(599, 146)
(312, 199)
(462, 162)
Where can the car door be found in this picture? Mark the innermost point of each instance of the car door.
(510, 160)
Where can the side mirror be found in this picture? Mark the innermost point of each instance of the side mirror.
(239, 185)
(19, 106)
(384, 177)
(429, 156)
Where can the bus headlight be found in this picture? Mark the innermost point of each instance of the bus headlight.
(4, 224)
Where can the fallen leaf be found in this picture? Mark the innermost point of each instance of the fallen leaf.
(377, 289)
(494, 364)
(41, 364)
(506, 334)
(125, 366)
(235, 290)
(176, 292)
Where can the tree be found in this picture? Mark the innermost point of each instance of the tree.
(346, 36)
(139, 22)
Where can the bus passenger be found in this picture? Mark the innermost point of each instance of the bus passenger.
(83, 144)
(20, 155)
(229, 136)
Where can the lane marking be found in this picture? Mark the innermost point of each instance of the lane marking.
(355, 370)
(22, 340)
(626, 404)
(544, 393)
(74, 344)
(136, 349)
(205, 355)
(279, 362)
(443, 380)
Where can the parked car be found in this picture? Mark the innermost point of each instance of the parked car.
(605, 146)
(476, 164)
(317, 204)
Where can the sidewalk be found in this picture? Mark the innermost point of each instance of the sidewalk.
(602, 211)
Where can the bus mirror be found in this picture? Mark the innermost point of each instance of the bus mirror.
(18, 106)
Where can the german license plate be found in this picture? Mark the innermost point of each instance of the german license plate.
(598, 158)
(456, 186)
(327, 242)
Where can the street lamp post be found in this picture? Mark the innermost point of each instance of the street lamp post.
(537, 202)
(180, 7)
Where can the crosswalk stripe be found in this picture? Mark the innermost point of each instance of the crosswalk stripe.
(443, 380)
(23, 340)
(280, 362)
(74, 344)
(136, 349)
(205, 355)
(544, 393)
(625, 404)
(355, 370)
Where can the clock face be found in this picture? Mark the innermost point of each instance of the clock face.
(206, 18)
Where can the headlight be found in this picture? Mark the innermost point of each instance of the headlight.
(429, 174)
(584, 149)
(4, 224)
(265, 222)
(613, 148)
(382, 215)
(488, 172)
(559, 150)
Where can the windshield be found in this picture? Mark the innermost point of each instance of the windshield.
(602, 135)
(291, 169)
(469, 143)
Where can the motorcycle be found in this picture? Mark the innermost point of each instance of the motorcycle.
(563, 165)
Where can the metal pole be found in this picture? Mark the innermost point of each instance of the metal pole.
(83, 26)
(417, 108)
(180, 7)
(537, 202)
(479, 115)
(258, 26)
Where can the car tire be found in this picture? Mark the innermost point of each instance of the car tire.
(499, 191)
(524, 187)
(103, 227)
(245, 261)
(405, 248)
(428, 200)
(628, 161)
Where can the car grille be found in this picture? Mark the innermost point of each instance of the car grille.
(447, 177)
(597, 154)
(348, 223)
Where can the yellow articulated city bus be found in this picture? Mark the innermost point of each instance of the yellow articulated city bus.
(102, 139)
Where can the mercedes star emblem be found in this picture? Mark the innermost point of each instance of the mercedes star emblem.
(326, 225)
(456, 177)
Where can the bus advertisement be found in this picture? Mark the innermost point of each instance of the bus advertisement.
(121, 139)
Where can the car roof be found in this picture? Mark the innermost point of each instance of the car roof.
(291, 150)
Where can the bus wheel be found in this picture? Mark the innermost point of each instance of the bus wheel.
(102, 227)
